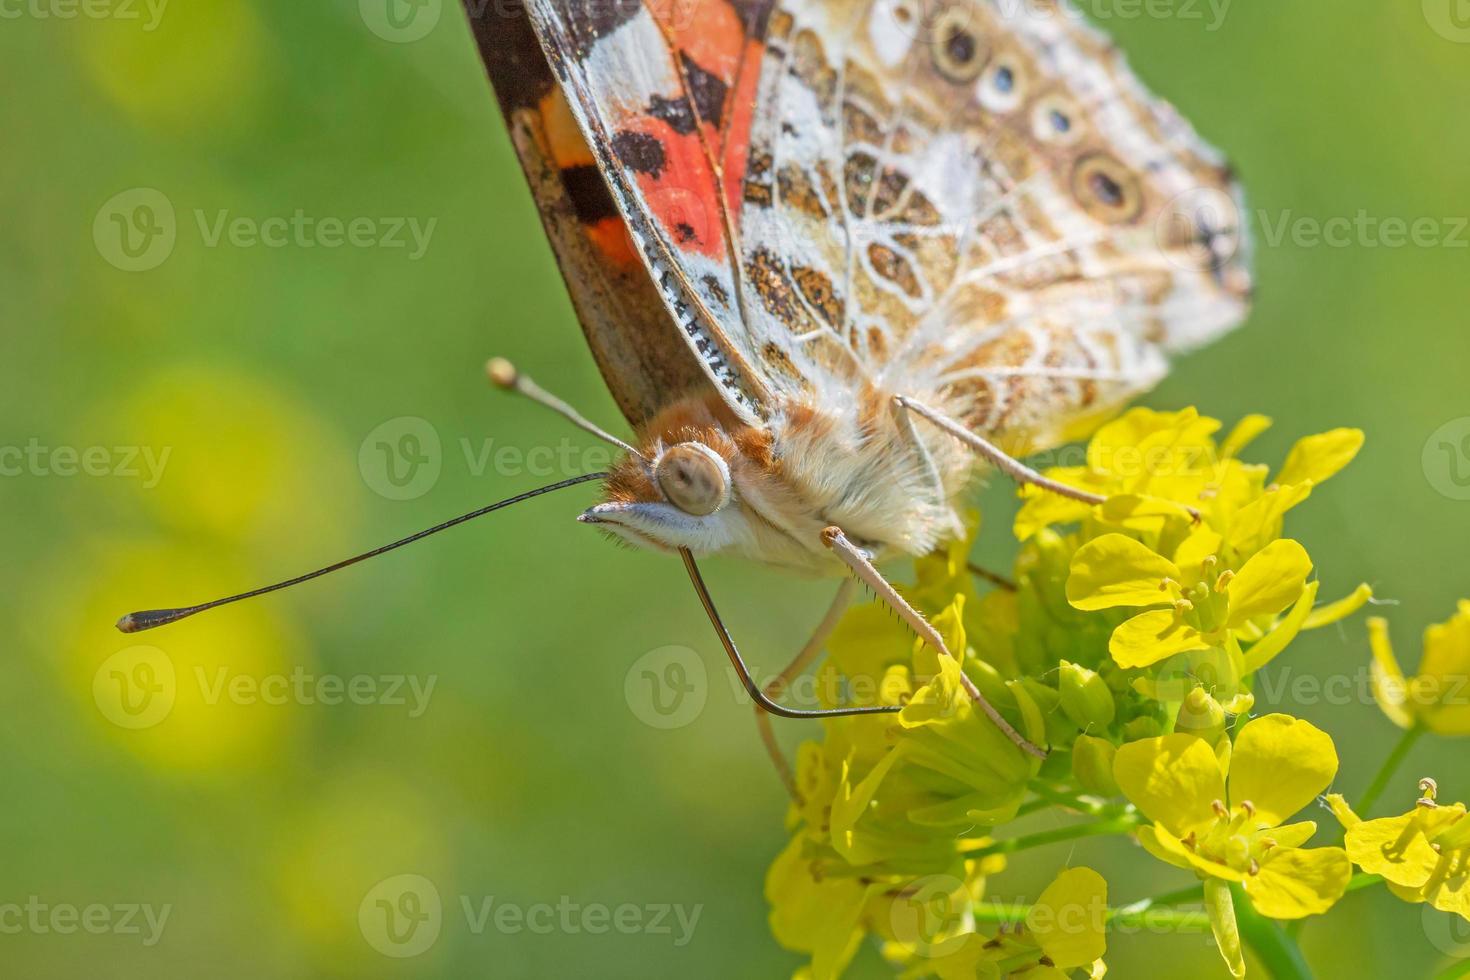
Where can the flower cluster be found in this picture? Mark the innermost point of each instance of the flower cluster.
(1127, 645)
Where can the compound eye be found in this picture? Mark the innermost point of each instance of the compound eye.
(694, 478)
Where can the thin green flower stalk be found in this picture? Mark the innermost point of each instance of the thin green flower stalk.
(1128, 646)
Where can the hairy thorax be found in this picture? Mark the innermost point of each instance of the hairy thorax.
(768, 493)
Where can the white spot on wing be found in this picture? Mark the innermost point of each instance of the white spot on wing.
(890, 34)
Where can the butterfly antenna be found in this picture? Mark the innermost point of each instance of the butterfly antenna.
(506, 376)
(149, 619)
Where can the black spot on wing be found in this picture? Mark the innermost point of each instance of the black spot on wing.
(640, 153)
(676, 112)
(589, 193)
(512, 55)
(707, 91)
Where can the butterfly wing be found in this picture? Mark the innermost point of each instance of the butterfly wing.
(633, 339)
(980, 202)
(975, 201)
(663, 96)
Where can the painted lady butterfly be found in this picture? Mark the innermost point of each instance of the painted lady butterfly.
(833, 255)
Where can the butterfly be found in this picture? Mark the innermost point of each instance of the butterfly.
(833, 257)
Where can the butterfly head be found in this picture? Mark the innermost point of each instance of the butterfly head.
(697, 482)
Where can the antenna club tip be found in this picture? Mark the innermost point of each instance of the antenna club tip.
(502, 373)
(128, 624)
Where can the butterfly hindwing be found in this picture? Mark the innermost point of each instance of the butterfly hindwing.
(638, 349)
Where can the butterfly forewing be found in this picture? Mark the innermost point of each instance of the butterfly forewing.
(973, 202)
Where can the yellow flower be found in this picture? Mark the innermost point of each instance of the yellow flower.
(1063, 932)
(1161, 469)
(1438, 697)
(1237, 831)
(1423, 855)
(1193, 601)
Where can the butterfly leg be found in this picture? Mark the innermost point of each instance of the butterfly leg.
(777, 687)
(997, 457)
(854, 558)
(738, 662)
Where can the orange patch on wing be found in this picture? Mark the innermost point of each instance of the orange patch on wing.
(568, 148)
(611, 237)
(738, 127)
(682, 194)
(708, 31)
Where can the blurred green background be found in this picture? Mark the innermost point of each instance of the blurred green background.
(273, 378)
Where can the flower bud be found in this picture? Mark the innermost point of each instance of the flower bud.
(1201, 715)
(1092, 765)
(1145, 726)
(1085, 697)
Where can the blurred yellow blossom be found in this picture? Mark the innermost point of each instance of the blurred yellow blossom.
(1438, 696)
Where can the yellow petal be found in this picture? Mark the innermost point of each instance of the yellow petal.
(1447, 661)
(811, 916)
(1317, 458)
(1259, 521)
(1202, 543)
(1396, 847)
(1043, 508)
(1171, 850)
(1141, 511)
(1270, 646)
(1390, 688)
(1069, 920)
(1173, 779)
(1294, 834)
(1295, 882)
(1280, 765)
(1244, 433)
(1115, 570)
(1115, 447)
(1221, 907)
(1153, 636)
(1338, 804)
(1339, 610)
(1269, 582)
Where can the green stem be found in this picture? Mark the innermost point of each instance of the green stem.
(1068, 801)
(1277, 951)
(1124, 824)
(1174, 920)
(1386, 773)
